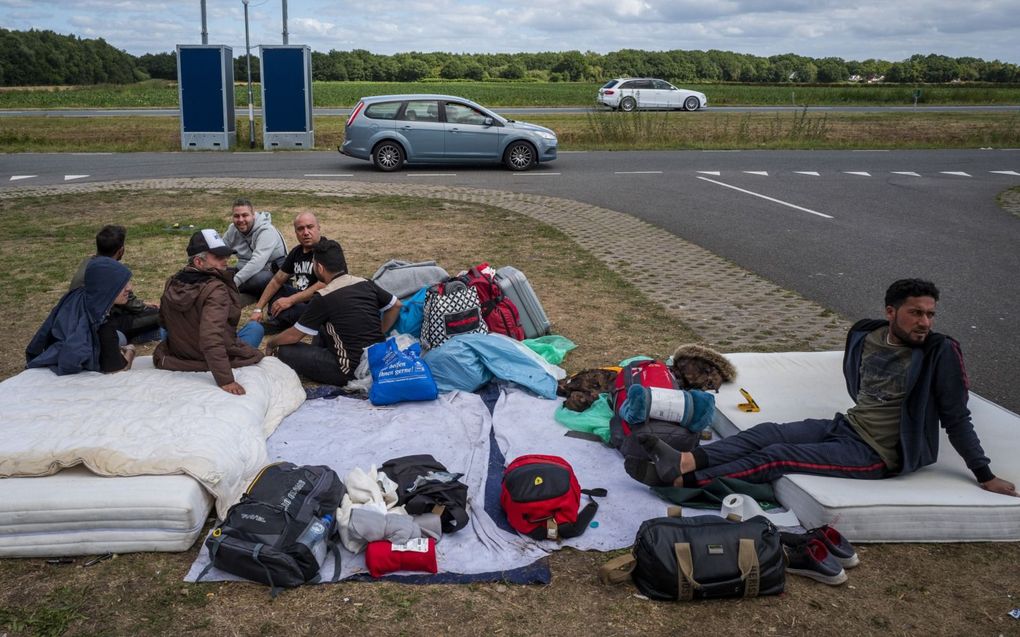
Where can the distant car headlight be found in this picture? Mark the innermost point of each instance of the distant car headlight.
(547, 136)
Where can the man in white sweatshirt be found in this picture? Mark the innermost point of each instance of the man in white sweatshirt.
(259, 246)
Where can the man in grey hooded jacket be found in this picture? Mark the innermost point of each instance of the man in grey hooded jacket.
(259, 247)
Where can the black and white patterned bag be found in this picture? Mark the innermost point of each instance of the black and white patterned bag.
(451, 308)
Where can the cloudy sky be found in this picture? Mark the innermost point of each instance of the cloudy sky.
(852, 29)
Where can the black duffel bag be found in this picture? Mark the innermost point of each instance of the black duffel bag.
(702, 557)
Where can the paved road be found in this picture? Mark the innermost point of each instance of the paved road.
(835, 226)
(520, 110)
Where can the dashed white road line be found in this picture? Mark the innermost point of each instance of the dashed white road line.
(73, 177)
(763, 173)
(1005, 172)
(710, 172)
(807, 172)
(536, 174)
(20, 177)
(431, 174)
(329, 175)
(905, 172)
(859, 173)
(767, 198)
(638, 172)
(955, 173)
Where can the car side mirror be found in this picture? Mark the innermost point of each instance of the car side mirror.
(488, 121)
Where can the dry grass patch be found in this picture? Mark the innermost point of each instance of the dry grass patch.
(897, 590)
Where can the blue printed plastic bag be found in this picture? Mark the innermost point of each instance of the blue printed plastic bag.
(399, 376)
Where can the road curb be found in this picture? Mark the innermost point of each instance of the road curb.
(729, 307)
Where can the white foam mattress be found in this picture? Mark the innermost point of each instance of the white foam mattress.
(75, 512)
(939, 503)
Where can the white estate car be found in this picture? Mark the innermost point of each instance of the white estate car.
(629, 94)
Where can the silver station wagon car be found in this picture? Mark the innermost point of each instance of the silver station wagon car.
(391, 129)
(629, 94)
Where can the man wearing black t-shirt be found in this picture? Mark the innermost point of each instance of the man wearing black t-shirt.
(287, 294)
(343, 316)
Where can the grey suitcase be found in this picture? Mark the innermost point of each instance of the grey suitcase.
(515, 286)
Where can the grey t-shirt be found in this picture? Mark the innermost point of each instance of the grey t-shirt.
(876, 416)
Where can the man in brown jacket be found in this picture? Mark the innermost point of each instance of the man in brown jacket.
(200, 309)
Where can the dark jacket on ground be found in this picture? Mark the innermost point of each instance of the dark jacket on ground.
(936, 392)
(68, 340)
(200, 311)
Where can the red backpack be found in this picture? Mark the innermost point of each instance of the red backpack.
(541, 496)
(499, 312)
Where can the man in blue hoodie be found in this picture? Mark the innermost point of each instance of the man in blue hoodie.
(77, 335)
(905, 379)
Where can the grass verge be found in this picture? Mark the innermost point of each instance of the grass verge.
(897, 590)
(596, 130)
(163, 93)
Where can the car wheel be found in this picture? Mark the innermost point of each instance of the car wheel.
(692, 103)
(519, 156)
(388, 156)
(628, 104)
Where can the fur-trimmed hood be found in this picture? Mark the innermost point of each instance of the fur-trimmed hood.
(701, 367)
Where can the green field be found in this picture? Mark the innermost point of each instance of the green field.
(163, 94)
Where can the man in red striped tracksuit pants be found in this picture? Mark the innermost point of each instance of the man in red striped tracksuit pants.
(905, 379)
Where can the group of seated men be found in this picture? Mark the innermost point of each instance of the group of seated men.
(305, 292)
(906, 379)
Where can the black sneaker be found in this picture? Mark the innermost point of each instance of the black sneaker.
(810, 558)
(838, 546)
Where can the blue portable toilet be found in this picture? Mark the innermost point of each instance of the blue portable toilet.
(286, 96)
(205, 85)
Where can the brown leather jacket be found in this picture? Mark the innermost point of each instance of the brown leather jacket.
(200, 311)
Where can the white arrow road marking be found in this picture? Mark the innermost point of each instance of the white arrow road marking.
(955, 173)
(763, 173)
(905, 172)
(1005, 172)
(19, 177)
(754, 194)
(710, 172)
(638, 172)
(859, 173)
(70, 177)
(807, 172)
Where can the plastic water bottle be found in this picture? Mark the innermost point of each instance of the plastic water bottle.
(314, 537)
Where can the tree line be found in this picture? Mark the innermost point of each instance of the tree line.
(44, 57)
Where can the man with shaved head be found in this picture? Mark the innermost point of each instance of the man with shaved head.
(287, 294)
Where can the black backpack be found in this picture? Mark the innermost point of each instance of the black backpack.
(442, 493)
(258, 538)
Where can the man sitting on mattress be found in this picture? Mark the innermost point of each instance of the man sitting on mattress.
(344, 317)
(905, 380)
(200, 309)
(137, 320)
(78, 334)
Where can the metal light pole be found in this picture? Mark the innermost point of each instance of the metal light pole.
(285, 21)
(251, 98)
(205, 33)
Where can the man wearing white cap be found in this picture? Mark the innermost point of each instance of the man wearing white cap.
(200, 309)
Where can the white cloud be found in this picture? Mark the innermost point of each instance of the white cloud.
(862, 29)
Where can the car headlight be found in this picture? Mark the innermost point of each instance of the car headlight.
(547, 136)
